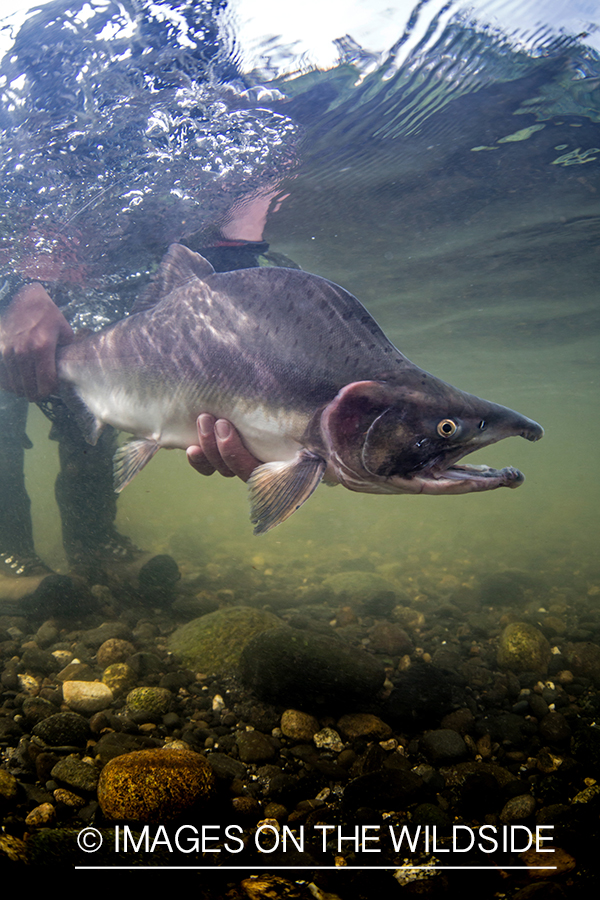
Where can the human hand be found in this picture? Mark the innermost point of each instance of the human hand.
(30, 331)
(220, 449)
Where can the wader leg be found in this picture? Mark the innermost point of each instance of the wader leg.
(86, 498)
(17, 554)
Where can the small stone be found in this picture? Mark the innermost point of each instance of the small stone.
(28, 684)
(114, 650)
(562, 862)
(87, 696)
(119, 677)
(299, 726)
(154, 786)
(443, 745)
(255, 747)
(8, 787)
(389, 638)
(76, 671)
(41, 816)
(276, 811)
(363, 725)
(328, 739)
(152, 700)
(409, 618)
(76, 773)
(63, 729)
(523, 648)
(68, 798)
(518, 808)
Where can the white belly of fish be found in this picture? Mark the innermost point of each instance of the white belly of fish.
(268, 433)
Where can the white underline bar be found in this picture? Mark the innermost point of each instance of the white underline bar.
(268, 869)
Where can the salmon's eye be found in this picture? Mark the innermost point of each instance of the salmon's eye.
(446, 428)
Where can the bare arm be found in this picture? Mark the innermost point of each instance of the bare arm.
(220, 449)
(30, 331)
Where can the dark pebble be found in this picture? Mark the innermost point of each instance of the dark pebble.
(443, 745)
(76, 774)
(63, 729)
(254, 747)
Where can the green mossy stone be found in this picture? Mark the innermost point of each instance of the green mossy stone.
(153, 700)
(154, 786)
(523, 648)
(214, 642)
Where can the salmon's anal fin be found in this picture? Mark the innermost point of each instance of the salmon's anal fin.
(278, 489)
(130, 459)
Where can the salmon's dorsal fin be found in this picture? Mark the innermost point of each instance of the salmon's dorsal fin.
(278, 489)
(130, 459)
(178, 266)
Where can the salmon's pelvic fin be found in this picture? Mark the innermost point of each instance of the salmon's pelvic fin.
(278, 489)
(130, 459)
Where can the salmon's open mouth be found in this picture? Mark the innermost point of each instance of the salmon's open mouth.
(464, 478)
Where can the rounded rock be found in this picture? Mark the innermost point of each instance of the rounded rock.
(119, 677)
(523, 648)
(299, 726)
(363, 725)
(443, 745)
(114, 650)
(152, 700)
(214, 642)
(87, 696)
(255, 747)
(518, 808)
(63, 729)
(154, 786)
(9, 787)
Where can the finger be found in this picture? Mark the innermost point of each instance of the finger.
(234, 455)
(46, 378)
(198, 461)
(207, 444)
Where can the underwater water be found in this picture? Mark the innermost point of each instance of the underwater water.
(454, 191)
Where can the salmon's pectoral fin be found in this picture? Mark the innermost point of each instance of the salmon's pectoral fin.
(278, 489)
(129, 459)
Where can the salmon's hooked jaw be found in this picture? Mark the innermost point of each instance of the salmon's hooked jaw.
(390, 439)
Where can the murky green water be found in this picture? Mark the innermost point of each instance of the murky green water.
(482, 266)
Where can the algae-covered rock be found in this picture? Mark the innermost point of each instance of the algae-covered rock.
(214, 643)
(119, 677)
(152, 700)
(154, 786)
(287, 665)
(523, 648)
